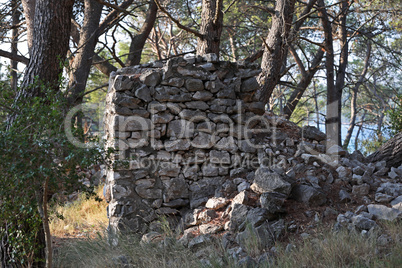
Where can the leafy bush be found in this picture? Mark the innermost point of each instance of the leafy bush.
(36, 160)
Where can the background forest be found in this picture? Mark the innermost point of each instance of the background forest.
(363, 38)
(336, 65)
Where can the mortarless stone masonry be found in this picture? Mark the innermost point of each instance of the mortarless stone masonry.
(185, 127)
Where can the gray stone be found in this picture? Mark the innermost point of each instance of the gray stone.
(210, 170)
(199, 242)
(308, 195)
(180, 129)
(358, 170)
(176, 203)
(156, 107)
(203, 140)
(393, 189)
(191, 172)
(151, 237)
(363, 223)
(219, 157)
(226, 94)
(237, 216)
(200, 105)
(210, 228)
(313, 133)
(143, 93)
(162, 118)
(273, 202)
(266, 180)
(227, 144)
(216, 202)
(123, 111)
(148, 193)
(344, 196)
(208, 127)
(204, 188)
(202, 95)
(243, 186)
(383, 198)
(384, 213)
(194, 116)
(166, 211)
(194, 84)
(250, 85)
(175, 82)
(175, 188)
(151, 78)
(207, 215)
(177, 145)
(240, 198)
(343, 172)
(193, 72)
(397, 203)
(361, 190)
(247, 146)
(169, 169)
(257, 216)
(132, 123)
(214, 86)
(123, 100)
(208, 66)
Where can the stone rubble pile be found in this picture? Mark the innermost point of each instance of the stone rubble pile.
(208, 159)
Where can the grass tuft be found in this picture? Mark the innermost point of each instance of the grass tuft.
(84, 216)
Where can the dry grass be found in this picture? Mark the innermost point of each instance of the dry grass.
(83, 217)
(344, 249)
(86, 220)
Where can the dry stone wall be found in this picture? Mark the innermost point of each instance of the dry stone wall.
(184, 127)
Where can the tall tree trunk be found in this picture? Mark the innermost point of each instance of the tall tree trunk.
(343, 62)
(317, 111)
(88, 39)
(211, 27)
(275, 49)
(332, 121)
(138, 41)
(49, 48)
(14, 43)
(305, 81)
(29, 14)
(353, 104)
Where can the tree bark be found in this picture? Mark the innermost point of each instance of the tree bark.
(49, 46)
(29, 14)
(138, 41)
(341, 72)
(305, 81)
(211, 27)
(275, 49)
(353, 104)
(332, 121)
(86, 49)
(391, 152)
(14, 43)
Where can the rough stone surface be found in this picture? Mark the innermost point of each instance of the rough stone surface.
(384, 213)
(308, 195)
(268, 181)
